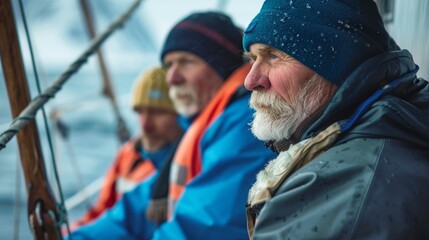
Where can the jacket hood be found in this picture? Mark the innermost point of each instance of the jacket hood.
(403, 111)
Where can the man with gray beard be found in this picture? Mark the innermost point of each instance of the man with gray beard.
(217, 159)
(340, 103)
(278, 119)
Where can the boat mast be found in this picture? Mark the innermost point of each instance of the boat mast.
(41, 205)
(123, 133)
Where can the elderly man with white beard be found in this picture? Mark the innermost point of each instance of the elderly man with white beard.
(340, 103)
(217, 159)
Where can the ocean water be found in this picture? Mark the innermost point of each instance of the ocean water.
(82, 156)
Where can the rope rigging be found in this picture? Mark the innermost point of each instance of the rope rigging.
(45, 215)
(42, 210)
(28, 114)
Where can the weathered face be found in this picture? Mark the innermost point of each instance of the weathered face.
(192, 82)
(285, 92)
(158, 127)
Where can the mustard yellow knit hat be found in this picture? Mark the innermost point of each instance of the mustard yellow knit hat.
(151, 90)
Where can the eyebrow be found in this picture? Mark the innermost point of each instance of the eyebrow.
(179, 59)
(267, 49)
(249, 55)
(262, 50)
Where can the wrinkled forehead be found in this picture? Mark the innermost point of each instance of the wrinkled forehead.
(260, 48)
(178, 56)
(263, 50)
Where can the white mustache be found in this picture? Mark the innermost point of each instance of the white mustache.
(263, 101)
(176, 91)
(185, 99)
(276, 119)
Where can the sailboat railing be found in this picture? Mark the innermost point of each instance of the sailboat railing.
(84, 194)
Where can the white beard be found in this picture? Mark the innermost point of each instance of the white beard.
(187, 106)
(276, 119)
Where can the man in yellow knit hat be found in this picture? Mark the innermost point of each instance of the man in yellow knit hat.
(140, 158)
(217, 159)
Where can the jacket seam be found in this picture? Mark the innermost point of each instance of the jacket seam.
(370, 186)
(394, 110)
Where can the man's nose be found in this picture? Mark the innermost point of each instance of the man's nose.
(256, 79)
(145, 120)
(173, 76)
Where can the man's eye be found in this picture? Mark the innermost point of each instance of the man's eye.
(187, 61)
(273, 56)
(167, 65)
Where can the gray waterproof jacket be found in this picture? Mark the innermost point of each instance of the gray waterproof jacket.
(373, 183)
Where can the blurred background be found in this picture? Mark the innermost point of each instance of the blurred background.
(81, 121)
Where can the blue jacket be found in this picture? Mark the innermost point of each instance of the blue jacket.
(212, 206)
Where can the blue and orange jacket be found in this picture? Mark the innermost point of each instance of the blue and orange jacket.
(128, 169)
(211, 205)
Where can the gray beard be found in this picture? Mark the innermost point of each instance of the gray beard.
(276, 119)
(279, 123)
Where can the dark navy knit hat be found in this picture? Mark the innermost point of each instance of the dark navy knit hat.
(332, 37)
(211, 36)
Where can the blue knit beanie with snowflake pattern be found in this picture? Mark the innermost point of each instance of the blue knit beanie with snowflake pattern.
(331, 37)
